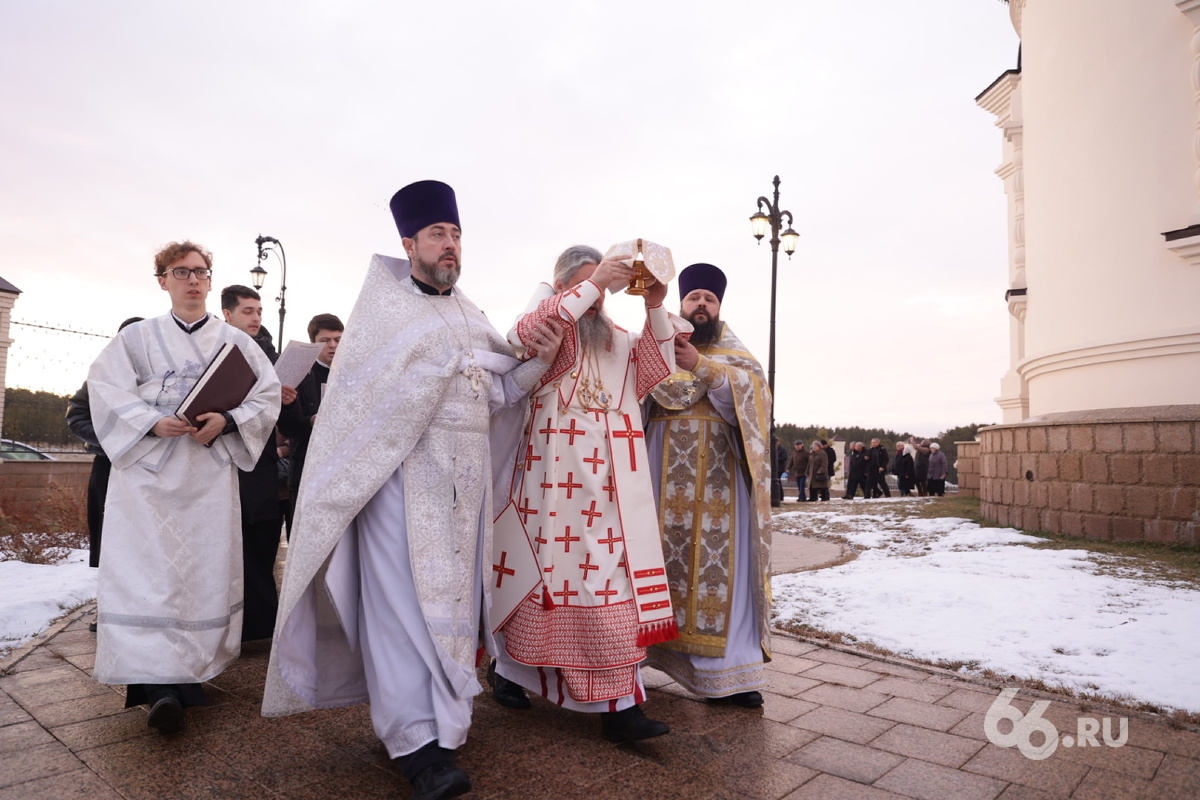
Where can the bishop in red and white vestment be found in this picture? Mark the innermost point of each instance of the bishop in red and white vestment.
(578, 584)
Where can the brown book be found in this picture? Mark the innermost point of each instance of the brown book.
(224, 385)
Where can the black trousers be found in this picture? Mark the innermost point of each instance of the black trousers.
(260, 544)
(879, 487)
(937, 486)
(815, 493)
(853, 484)
(188, 694)
(96, 492)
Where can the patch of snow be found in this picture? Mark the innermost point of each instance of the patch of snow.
(948, 590)
(33, 595)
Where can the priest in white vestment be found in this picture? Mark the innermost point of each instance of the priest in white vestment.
(383, 590)
(577, 565)
(170, 585)
(708, 453)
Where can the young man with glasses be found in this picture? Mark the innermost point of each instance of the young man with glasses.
(170, 584)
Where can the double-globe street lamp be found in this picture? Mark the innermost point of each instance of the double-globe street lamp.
(773, 218)
(266, 245)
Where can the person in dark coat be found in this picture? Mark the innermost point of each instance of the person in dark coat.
(326, 329)
(258, 489)
(818, 474)
(856, 472)
(79, 420)
(797, 467)
(902, 468)
(877, 469)
(921, 466)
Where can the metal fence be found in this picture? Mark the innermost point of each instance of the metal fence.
(47, 363)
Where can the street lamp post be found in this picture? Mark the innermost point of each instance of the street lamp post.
(759, 222)
(259, 275)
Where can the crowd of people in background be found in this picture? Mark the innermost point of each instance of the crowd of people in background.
(918, 466)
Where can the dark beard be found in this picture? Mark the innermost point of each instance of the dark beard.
(706, 332)
(595, 332)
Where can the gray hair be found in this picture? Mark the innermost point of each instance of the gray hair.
(572, 260)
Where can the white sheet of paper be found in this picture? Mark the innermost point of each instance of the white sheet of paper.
(296, 360)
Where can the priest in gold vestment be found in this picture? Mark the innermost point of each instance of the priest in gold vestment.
(708, 433)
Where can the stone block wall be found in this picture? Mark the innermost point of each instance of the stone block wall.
(1116, 474)
(968, 468)
(25, 484)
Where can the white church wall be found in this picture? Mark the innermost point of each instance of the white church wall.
(1109, 122)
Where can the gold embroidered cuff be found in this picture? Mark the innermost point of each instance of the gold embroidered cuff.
(709, 371)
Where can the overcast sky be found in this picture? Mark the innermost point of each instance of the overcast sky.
(130, 124)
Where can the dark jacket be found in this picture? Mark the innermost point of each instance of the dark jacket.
(258, 489)
(79, 420)
(297, 424)
(818, 472)
(878, 457)
(902, 467)
(797, 464)
(857, 464)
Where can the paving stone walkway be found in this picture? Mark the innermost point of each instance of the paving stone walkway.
(836, 724)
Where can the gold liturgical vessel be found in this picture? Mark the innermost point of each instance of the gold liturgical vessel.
(642, 279)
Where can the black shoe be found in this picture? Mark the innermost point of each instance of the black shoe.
(505, 692)
(630, 725)
(747, 699)
(92, 627)
(440, 781)
(166, 715)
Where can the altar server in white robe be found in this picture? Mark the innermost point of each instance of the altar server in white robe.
(577, 564)
(383, 590)
(170, 585)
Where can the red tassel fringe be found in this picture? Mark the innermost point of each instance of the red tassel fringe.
(657, 632)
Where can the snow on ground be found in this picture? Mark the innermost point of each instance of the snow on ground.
(33, 595)
(947, 589)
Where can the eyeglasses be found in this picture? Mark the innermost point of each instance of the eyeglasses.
(168, 382)
(182, 273)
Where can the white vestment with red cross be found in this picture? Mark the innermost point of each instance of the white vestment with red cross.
(579, 589)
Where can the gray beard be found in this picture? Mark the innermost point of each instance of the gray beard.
(435, 275)
(595, 332)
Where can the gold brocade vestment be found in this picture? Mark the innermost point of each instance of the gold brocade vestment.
(698, 498)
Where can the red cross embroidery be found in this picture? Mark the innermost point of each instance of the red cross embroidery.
(502, 570)
(525, 511)
(609, 487)
(544, 486)
(573, 291)
(540, 541)
(611, 540)
(629, 434)
(569, 486)
(595, 412)
(571, 431)
(607, 593)
(566, 593)
(537, 405)
(548, 430)
(566, 539)
(530, 457)
(587, 565)
(591, 513)
(595, 460)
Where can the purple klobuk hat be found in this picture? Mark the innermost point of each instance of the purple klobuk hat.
(422, 204)
(702, 276)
